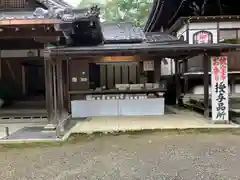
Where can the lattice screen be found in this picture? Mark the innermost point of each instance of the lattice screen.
(9, 4)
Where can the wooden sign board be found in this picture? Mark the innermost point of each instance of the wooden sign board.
(119, 59)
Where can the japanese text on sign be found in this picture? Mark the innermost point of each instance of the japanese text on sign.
(219, 88)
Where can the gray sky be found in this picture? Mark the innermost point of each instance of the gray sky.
(73, 2)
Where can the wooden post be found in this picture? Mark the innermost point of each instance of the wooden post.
(0, 64)
(206, 85)
(48, 90)
(68, 97)
(55, 99)
(157, 70)
(23, 80)
(177, 81)
(59, 77)
(185, 64)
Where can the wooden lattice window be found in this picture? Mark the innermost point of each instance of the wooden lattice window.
(12, 4)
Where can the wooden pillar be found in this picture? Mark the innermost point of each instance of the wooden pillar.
(0, 64)
(67, 85)
(49, 90)
(59, 85)
(55, 98)
(23, 79)
(232, 84)
(185, 66)
(65, 78)
(157, 70)
(206, 85)
(141, 72)
(177, 81)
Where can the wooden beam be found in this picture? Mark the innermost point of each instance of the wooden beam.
(27, 33)
(29, 21)
(13, 44)
(118, 59)
(45, 40)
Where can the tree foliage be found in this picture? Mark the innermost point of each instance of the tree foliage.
(135, 11)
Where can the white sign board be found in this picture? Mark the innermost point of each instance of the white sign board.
(202, 37)
(148, 65)
(219, 66)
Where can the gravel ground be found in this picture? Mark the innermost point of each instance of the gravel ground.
(136, 157)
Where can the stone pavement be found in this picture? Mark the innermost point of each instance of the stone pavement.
(178, 119)
(14, 127)
(155, 156)
(183, 120)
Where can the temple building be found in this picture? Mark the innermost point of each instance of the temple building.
(59, 63)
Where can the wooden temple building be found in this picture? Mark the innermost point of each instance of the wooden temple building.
(62, 62)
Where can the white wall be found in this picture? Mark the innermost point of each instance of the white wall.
(166, 68)
(194, 28)
(182, 32)
(229, 25)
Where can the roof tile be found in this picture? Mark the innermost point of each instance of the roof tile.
(122, 32)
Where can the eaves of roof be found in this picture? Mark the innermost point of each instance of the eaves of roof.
(161, 37)
(169, 50)
(21, 15)
(193, 19)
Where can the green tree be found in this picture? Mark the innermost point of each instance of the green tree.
(135, 11)
(89, 3)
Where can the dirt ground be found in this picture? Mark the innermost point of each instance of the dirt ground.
(131, 157)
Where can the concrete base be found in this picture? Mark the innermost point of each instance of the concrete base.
(32, 132)
(181, 120)
(221, 122)
(14, 127)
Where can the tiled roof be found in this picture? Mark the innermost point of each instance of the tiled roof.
(160, 37)
(19, 15)
(57, 9)
(121, 32)
(141, 48)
